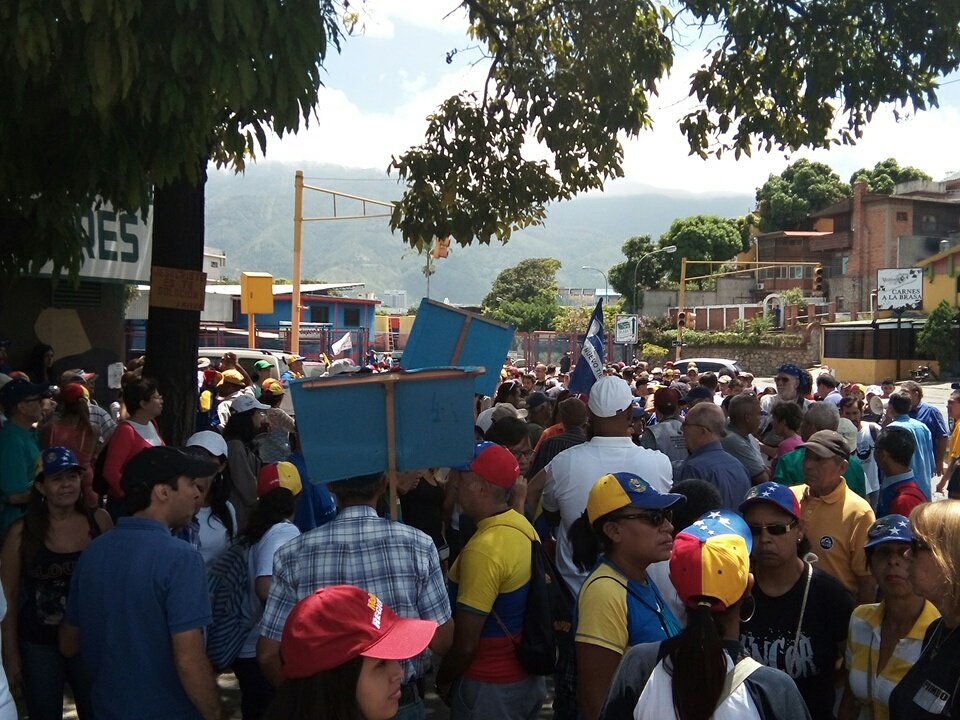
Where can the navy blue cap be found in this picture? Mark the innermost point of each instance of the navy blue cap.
(889, 528)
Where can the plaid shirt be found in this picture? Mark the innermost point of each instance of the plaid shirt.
(396, 562)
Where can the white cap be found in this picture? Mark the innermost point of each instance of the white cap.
(210, 441)
(242, 403)
(609, 395)
(343, 365)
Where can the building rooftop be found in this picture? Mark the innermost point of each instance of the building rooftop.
(287, 289)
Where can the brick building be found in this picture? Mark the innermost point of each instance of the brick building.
(870, 231)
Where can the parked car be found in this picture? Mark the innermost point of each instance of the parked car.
(716, 365)
(247, 357)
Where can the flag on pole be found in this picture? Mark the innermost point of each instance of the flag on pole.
(342, 345)
(590, 365)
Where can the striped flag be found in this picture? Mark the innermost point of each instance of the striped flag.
(590, 365)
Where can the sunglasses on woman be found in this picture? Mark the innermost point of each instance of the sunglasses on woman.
(656, 518)
(775, 529)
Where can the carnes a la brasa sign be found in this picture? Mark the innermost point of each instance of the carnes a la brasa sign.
(900, 289)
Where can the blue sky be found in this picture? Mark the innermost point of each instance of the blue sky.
(388, 79)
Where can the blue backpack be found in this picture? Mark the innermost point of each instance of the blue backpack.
(228, 581)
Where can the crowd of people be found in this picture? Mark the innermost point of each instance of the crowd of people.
(732, 551)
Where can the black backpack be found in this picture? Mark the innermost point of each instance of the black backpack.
(547, 617)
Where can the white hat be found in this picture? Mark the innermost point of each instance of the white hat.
(210, 441)
(657, 371)
(203, 363)
(243, 403)
(343, 365)
(609, 395)
(499, 411)
(849, 432)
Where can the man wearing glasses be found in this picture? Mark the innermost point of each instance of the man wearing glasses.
(19, 449)
(702, 429)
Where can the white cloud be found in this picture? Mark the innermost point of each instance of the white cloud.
(379, 17)
(346, 135)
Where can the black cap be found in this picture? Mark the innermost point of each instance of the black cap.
(156, 465)
(18, 390)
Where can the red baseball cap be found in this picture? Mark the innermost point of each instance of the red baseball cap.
(338, 623)
(494, 463)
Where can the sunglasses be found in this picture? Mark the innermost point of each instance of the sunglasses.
(656, 518)
(774, 529)
(917, 545)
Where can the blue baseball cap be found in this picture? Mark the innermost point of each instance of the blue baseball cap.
(721, 522)
(623, 489)
(889, 528)
(771, 492)
(57, 459)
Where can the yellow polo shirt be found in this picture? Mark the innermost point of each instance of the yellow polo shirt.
(836, 526)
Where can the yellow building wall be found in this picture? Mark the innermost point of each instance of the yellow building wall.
(867, 371)
(941, 287)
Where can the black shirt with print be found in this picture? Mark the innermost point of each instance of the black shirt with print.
(770, 634)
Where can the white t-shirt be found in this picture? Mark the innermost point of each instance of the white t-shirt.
(260, 564)
(571, 475)
(867, 455)
(213, 534)
(656, 700)
(148, 431)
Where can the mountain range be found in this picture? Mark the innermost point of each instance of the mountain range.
(250, 218)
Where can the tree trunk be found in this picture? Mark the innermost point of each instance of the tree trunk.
(172, 335)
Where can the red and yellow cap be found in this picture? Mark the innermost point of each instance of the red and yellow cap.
(279, 475)
(710, 561)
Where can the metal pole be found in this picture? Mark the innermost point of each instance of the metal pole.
(681, 299)
(297, 246)
(899, 314)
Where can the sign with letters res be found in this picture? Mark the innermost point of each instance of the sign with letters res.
(900, 289)
(117, 246)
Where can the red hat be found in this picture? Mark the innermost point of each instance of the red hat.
(73, 393)
(338, 623)
(494, 463)
(279, 475)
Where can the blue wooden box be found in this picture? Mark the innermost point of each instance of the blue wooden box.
(446, 336)
(359, 424)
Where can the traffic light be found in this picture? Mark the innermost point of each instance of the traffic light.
(441, 247)
(818, 278)
(681, 319)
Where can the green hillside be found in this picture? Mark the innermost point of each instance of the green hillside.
(250, 217)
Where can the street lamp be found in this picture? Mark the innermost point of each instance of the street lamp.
(667, 249)
(606, 285)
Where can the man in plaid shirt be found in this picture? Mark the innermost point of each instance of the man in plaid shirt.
(395, 562)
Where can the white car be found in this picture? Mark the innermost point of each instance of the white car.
(716, 365)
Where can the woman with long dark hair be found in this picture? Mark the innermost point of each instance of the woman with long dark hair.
(704, 672)
(269, 527)
(216, 519)
(341, 649)
(39, 366)
(247, 422)
(39, 555)
(71, 428)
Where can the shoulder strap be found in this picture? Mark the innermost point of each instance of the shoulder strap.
(736, 677)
